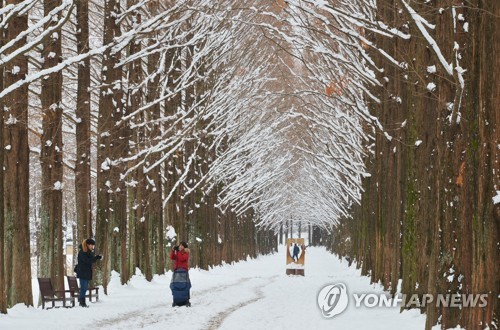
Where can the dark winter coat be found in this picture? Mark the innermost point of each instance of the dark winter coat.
(85, 261)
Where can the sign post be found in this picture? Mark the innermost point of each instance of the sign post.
(295, 256)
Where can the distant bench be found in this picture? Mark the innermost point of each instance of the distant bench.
(48, 294)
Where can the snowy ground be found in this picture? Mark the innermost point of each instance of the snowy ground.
(248, 295)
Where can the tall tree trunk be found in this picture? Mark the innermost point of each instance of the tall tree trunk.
(119, 147)
(3, 292)
(16, 176)
(281, 234)
(110, 111)
(82, 166)
(51, 257)
(131, 238)
(154, 206)
(154, 209)
(482, 171)
(134, 101)
(173, 208)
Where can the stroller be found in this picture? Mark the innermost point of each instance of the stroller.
(180, 286)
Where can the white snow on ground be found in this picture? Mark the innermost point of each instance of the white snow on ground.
(255, 294)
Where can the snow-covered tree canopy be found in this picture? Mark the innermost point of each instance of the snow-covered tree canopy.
(271, 96)
(297, 153)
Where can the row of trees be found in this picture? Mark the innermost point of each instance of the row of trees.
(409, 97)
(430, 214)
(109, 121)
(182, 117)
(221, 123)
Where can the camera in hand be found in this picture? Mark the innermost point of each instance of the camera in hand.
(176, 248)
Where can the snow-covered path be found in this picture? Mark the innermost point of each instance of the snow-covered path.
(248, 295)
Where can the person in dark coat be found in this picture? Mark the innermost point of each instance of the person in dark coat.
(296, 251)
(86, 258)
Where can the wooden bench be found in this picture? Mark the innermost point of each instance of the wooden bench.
(48, 294)
(75, 289)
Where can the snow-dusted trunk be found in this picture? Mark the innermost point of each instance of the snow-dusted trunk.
(118, 234)
(171, 106)
(187, 200)
(136, 204)
(110, 111)
(16, 176)
(142, 226)
(3, 292)
(173, 208)
(140, 223)
(131, 238)
(133, 97)
(51, 149)
(135, 191)
(207, 214)
(120, 136)
(154, 209)
(213, 255)
(196, 217)
(83, 141)
(483, 169)
(464, 231)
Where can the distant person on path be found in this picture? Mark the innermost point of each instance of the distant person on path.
(180, 255)
(86, 258)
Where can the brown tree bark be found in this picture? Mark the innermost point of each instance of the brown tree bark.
(3, 291)
(83, 142)
(154, 209)
(16, 176)
(174, 212)
(482, 166)
(109, 190)
(119, 147)
(51, 255)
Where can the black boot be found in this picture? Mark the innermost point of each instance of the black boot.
(82, 303)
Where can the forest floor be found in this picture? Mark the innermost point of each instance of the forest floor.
(253, 294)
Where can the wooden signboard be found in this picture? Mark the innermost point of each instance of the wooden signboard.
(295, 256)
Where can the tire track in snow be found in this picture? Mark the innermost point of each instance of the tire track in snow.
(146, 313)
(216, 321)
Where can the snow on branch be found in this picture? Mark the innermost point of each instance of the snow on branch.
(5, 59)
(420, 22)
